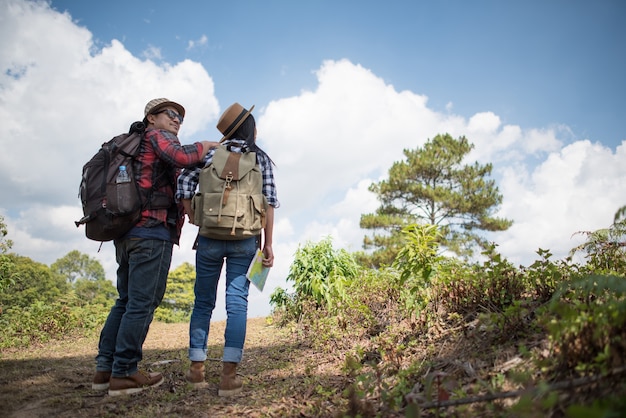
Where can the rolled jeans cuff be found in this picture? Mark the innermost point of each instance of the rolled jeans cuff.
(232, 355)
(197, 354)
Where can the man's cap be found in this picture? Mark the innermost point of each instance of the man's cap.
(155, 105)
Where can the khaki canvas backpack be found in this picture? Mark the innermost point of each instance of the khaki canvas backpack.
(230, 204)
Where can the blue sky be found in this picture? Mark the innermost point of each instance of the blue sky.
(340, 89)
(533, 63)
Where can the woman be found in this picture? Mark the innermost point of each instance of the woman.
(239, 129)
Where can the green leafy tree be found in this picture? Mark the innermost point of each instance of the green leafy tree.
(86, 276)
(5, 244)
(7, 268)
(8, 273)
(620, 215)
(178, 301)
(98, 292)
(33, 282)
(75, 265)
(433, 186)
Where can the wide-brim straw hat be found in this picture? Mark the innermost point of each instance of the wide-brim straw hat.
(231, 119)
(155, 105)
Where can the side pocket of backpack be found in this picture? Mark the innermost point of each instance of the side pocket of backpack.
(259, 210)
(196, 206)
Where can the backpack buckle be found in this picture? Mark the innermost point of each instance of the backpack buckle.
(228, 179)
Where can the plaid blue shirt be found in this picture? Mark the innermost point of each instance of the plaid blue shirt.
(188, 179)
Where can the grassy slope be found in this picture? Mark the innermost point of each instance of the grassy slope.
(287, 373)
(55, 379)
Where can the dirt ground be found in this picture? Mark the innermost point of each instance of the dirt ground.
(281, 379)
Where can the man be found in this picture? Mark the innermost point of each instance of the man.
(144, 254)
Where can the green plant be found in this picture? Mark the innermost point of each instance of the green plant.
(319, 273)
(285, 308)
(418, 257)
(543, 275)
(417, 262)
(587, 322)
(490, 286)
(605, 249)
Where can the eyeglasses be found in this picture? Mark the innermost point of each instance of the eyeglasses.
(172, 115)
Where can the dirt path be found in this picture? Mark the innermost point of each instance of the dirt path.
(280, 378)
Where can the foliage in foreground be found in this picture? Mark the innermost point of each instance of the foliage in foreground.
(488, 338)
(429, 336)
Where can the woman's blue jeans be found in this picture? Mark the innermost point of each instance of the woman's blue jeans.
(143, 266)
(210, 256)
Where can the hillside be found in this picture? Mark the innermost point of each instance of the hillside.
(55, 379)
(431, 337)
(283, 375)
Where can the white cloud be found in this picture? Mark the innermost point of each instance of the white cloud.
(541, 140)
(60, 97)
(203, 41)
(579, 187)
(486, 122)
(153, 53)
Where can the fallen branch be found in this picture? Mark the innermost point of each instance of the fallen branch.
(566, 384)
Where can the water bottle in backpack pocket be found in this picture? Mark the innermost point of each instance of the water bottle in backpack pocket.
(121, 196)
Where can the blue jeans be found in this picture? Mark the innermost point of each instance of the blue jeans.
(143, 266)
(210, 256)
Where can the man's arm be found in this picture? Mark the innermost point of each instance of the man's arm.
(207, 146)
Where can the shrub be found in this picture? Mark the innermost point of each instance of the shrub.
(41, 322)
(587, 322)
(319, 273)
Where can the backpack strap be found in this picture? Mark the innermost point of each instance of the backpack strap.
(229, 173)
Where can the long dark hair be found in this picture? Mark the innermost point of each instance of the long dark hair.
(246, 132)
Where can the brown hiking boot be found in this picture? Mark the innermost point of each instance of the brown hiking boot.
(195, 375)
(101, 380)
(230, 383)
(135, 383)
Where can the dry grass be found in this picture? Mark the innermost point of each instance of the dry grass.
(280, 378)
(287, 372)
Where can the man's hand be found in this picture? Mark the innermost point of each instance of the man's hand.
(207, 146)
(187, 205)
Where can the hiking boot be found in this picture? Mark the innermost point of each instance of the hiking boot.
(101, 380)
(230, 383)
(195, 375)
(135, 383)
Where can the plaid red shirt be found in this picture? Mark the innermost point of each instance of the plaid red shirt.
(160, 159)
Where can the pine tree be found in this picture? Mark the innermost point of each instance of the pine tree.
(433, 186)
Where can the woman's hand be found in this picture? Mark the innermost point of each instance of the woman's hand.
(268, 256)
